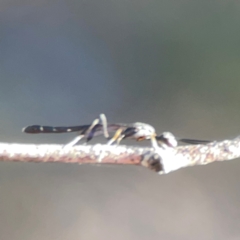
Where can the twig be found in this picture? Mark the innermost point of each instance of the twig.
(160, 160)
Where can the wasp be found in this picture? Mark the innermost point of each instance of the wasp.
(138, 131)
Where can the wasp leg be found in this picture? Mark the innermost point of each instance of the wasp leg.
(120, 134)
(84, 133)
(154, 141)
(121, 137)
(96, 126)
(105, 125)
(94, 123)
(75, 141)
(116, 136)
(89, 134)
(127, 133)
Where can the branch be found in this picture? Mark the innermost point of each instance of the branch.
(160, 160)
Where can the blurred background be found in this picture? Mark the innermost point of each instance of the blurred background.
(172, 64)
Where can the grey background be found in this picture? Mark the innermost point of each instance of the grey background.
(173, 64)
